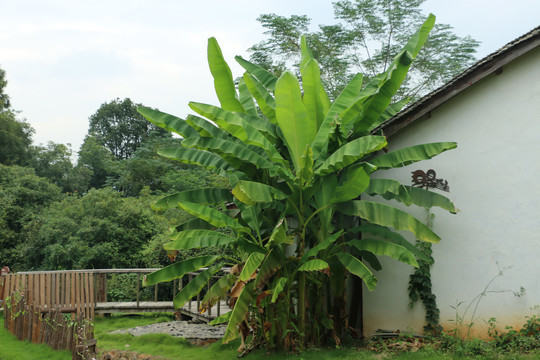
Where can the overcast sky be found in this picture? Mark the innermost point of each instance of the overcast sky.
(64, 58)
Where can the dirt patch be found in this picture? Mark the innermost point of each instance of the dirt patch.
(127, 355)
(199, 334)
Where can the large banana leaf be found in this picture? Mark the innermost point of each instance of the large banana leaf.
(177, 270)
(194, 239)
(241, 309)
(323, 245)
(205, 128)
(207, 196)
(314, 265)
(343, 101)
(168, 122)
(396, 73)
(392, 189)
(429, 199)
(381, 247)
(250, 192)
(246, 99)
(390, 111)
(252, 215)
(416, 42)
(358, 268)
(265, 77)
(271, 264)
(356, 110)
(247, 247)
(384, 233)
(298, 129)
(238, 150)
(350, 153)
(356, 180)
(221, 116)
(377, 104)
(217, 292)
(315, 97)
(194, 286)
(258, 89)
(264, 99)
(212, 216)
(370, 258)
(278, 288)
(386, 215)
(239, 128)
(223, 80)
(251, 265)
(412, 154)
(324, 197)
(194, 224)
(305, 175)
(267, 128)
(197, 157)
(221, 319)
(279, 235)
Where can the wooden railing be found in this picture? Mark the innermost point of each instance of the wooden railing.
(34, 305)
(27, 321)
(83, 289)
(101, 282)
(67, 291)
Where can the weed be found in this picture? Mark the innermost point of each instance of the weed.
(460, 318)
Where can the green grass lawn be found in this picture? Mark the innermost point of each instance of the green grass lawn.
(13, 349)
(175, 349)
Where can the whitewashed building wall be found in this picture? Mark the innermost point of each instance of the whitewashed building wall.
(494, 179)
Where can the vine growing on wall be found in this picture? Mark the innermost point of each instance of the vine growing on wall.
(420, 287)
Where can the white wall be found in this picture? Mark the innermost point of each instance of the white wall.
(494, 179)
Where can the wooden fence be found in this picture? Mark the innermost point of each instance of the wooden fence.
(65, 291)
(29, 321)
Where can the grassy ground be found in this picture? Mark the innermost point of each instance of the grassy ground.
(13, 349)
(175, 349)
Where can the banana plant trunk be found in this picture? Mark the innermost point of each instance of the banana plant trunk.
(302, 308)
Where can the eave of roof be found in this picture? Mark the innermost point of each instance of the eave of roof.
(492, 63)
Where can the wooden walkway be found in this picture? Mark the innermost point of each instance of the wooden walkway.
(189, 310)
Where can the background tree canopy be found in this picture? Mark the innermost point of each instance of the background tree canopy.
(98, 230)
(23, 195)
(367, 35)
(4, 98)
(120, 128)
(95, 213)
(53, 161)
(15, 139)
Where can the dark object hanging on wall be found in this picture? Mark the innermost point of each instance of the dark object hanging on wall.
(428, 180)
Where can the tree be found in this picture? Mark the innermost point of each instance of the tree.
(296, 171)
(368, 32)
(98, 230)
(4, 98)
(23, 195)
(53, 161)
(16, 139)
(120, 128)
(148, 169)
(96, 160)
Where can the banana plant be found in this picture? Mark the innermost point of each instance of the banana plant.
(298, 165)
